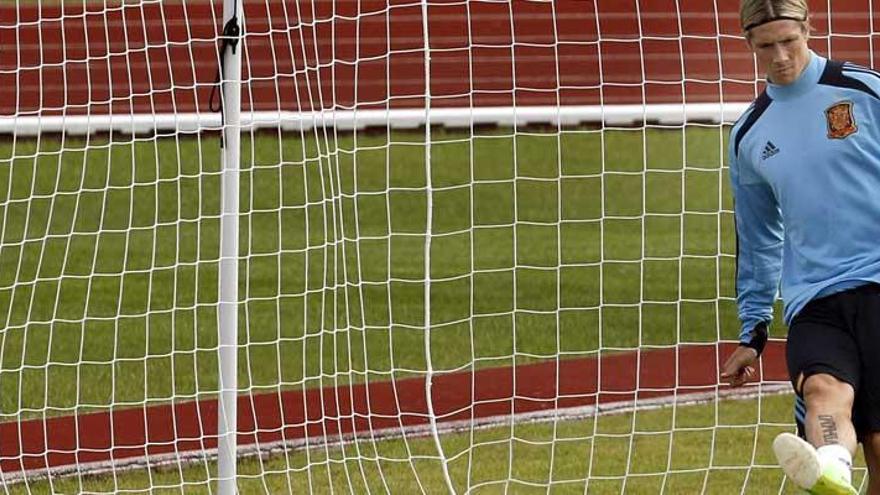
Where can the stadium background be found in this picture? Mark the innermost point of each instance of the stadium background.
(369, 55)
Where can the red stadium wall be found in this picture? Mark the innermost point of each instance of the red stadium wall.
(305, 54)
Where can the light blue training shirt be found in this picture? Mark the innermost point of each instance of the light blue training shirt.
(805, 171)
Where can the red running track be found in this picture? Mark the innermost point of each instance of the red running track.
(306, 54)
(358, 410)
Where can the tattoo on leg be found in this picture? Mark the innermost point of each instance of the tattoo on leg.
(829, 428)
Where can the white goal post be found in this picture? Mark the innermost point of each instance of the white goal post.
(423, 246)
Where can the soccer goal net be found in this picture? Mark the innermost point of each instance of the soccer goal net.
(378, 246)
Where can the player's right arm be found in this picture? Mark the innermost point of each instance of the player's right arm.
(758, 264)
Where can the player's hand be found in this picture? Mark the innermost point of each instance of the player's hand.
(739, 367)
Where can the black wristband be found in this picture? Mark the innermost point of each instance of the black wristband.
(757, 338)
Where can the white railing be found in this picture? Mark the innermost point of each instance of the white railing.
(672, 114)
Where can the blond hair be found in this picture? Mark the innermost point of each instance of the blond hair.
(753, 13)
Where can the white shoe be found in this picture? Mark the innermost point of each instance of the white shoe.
(801, 464)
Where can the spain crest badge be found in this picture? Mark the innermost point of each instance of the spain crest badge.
(841, 122)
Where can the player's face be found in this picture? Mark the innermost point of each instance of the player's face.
(781, 49)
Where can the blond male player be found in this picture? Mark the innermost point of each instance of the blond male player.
(805, 171)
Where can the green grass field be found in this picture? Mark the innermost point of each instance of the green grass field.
(108, 267)
(543, 244)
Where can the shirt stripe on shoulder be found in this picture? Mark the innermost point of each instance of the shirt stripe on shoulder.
(758, 108)
(833, 76)
(851, 67)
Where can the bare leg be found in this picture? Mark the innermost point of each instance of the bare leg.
(829, 412)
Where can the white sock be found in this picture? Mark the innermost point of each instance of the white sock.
(838, 454)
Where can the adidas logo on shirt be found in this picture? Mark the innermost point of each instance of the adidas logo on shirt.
(770, 149)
